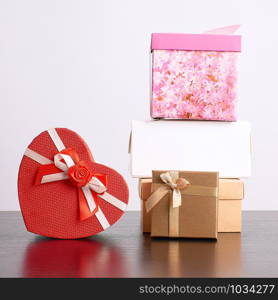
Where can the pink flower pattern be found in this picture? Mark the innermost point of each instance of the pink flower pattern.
(194, 85)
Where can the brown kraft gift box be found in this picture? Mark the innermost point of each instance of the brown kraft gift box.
(231, 193)
(196, 216)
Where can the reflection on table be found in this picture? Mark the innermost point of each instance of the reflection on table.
(194, 257)
(72, 258)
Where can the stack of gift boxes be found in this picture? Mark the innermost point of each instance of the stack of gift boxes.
(191, 158)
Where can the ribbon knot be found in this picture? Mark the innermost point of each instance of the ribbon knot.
(89, 185)
(77, 171)
(176, 183)
(171, 182)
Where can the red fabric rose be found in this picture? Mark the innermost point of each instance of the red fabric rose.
(79, 174)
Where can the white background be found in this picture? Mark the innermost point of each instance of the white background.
(85, 65)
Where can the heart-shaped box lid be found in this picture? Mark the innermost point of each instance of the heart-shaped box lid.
(63, 192)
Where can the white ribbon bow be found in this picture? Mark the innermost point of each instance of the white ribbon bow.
(94, 184)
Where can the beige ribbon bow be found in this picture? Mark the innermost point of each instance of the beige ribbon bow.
(176, 184)
(173, 183)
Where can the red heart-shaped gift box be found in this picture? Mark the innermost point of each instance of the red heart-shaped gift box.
(63, 192)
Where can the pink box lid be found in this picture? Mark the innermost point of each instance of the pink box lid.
(205, 42)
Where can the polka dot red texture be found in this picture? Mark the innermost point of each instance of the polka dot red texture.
(52, 209)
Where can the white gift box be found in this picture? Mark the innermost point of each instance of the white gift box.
(224, 147)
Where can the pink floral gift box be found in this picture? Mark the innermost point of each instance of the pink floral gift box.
(194, 76)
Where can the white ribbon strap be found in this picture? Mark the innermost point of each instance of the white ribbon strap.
(54, 177)
(113, 200)
(96, 185)
(56, 139)
(37, 157)
(45, 161)
(102, 219)
(60, 165)
(89, 197)
(63, 166)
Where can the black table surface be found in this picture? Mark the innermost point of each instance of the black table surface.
(123, 251)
